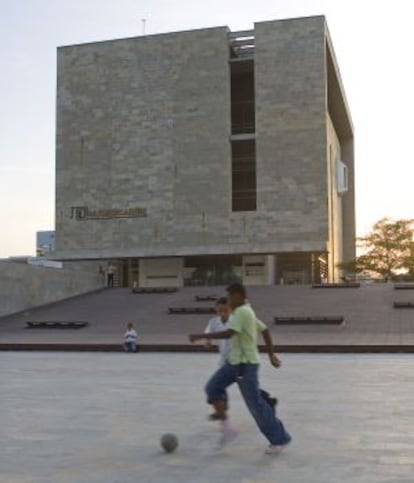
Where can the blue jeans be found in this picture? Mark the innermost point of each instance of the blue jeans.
(130, 347)
(247, 379)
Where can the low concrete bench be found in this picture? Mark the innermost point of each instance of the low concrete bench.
(403, 305)
(404, 286)
(337, 285)
(308, 320)
(206, 298)
(191, 310)
(56, 324)
(154, 289)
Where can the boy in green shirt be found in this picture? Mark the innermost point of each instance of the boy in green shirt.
(242, 367)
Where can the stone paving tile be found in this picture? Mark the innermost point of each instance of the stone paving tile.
(97, 418)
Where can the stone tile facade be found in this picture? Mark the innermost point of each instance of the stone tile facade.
(145, 123)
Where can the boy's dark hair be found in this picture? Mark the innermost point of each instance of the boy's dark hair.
(221, 301)
(237, 288)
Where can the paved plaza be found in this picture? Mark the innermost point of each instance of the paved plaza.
(97, 418)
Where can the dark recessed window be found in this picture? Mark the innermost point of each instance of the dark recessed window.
(244, 175)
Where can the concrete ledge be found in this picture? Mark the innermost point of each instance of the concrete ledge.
(154, 290)
(191, 310)
(305, 348)
(404, 286)
(206, 298)
(310, 320)
(56, 324)
(403, 305)
(336, 285)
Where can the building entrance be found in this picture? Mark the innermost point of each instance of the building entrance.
(212, 270)
(302, 268)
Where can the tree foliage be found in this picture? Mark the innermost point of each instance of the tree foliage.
(387, 252)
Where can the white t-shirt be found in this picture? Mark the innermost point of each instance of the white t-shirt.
(130, 336)
(216, 325)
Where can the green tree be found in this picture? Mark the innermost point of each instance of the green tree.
(388, 251)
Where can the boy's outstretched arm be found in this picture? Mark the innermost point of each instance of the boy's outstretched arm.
(267, 337)
(223, 334)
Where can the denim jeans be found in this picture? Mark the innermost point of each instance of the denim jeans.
(247, 379)
(130, 346)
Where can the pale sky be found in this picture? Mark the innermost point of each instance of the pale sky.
(373, 41)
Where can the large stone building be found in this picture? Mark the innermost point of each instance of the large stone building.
(205, 156)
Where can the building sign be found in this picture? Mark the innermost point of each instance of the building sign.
(84, 213)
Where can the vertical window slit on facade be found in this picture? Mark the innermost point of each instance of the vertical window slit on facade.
(243, 175)
(243, 123)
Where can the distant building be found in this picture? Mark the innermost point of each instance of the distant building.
(45, 242)
(205, 156)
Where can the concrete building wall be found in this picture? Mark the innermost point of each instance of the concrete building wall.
(348, 201)
(258, 270)
(144, 166)
(335, 203)
(340, 117)
(25, 286)
(144, 122)
(291, 133)
(161, 272)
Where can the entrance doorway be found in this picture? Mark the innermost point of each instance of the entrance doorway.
(212, 270)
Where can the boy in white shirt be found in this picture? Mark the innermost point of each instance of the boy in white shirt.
(130, 339)
(217, 324)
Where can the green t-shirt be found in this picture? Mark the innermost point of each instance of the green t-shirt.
(244, 342)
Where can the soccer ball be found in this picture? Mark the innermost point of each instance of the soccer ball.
(169, 442)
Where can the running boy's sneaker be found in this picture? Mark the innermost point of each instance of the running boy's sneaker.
(228, 434)
(276, 448)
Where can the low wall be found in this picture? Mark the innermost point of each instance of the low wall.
(25, 286)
